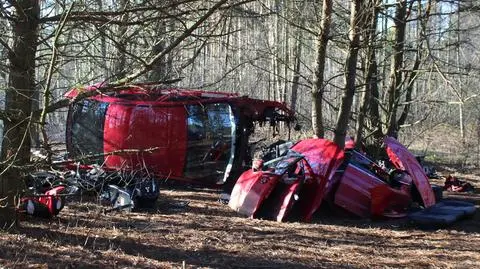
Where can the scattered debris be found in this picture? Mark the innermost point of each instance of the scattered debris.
(429, 170)
(44, 205)
(453, 184)
(48, 191)
(442, 214)
(141, 194)
(292, 186)
(224, 198)
(45, 195)
(204, 137)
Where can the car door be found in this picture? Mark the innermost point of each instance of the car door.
(210, 140)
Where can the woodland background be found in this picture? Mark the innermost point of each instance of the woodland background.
(361, 68)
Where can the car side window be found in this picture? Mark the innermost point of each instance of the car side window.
(88, 119)
(195, 122)
(210, 129)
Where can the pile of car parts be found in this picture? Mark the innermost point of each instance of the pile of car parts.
(120, 190)
(44, 205)
(293, 186)
(295, 182)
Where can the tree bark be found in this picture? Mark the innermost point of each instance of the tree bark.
(296, 74)
(350, 74)
(395, 82)
(298, 59)
(371, 85)
(161, 69)
(120, 61)
(18, 100)
(318, 85)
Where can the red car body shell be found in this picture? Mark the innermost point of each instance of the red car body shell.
(145, 126)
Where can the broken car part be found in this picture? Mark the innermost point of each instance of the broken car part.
(293, 186)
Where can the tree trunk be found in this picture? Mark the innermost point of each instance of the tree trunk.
(286, 50)
(298, 59)
(296, 74)
(121, 44)
(160, 70)
(350, 74)
(394, 87)
(103, 47)
(318, 87)
(19, 102)
(371, 85)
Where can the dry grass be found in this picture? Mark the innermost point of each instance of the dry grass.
(191, 229)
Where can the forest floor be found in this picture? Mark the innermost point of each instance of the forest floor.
(191, 229)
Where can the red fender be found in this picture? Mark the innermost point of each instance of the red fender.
(251, 190)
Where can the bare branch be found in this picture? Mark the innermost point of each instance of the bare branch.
(121, 83)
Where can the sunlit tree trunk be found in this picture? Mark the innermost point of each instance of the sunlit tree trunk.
(318, 86)
(395, 80)
(296, 74)
(371, 80)
(350, 74)
(162, 67)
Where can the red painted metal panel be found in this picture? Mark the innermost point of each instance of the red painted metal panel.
(286, 201)
(177, 151)
(161, 129)
(324, 157)
(251, 189)
(116, 129)
(354, 191)
(389, 202)
(404, 160)
(275, 192)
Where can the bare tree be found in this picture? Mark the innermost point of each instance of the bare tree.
(318, 85)
(369, 95)
(350, 72)
(396, 75)
(18, 104)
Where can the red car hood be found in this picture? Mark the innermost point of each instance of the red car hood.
(404, 160)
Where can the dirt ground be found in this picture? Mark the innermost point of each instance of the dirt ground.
(191, 229)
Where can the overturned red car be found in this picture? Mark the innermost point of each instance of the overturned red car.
(176, 133)
(293, 186)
